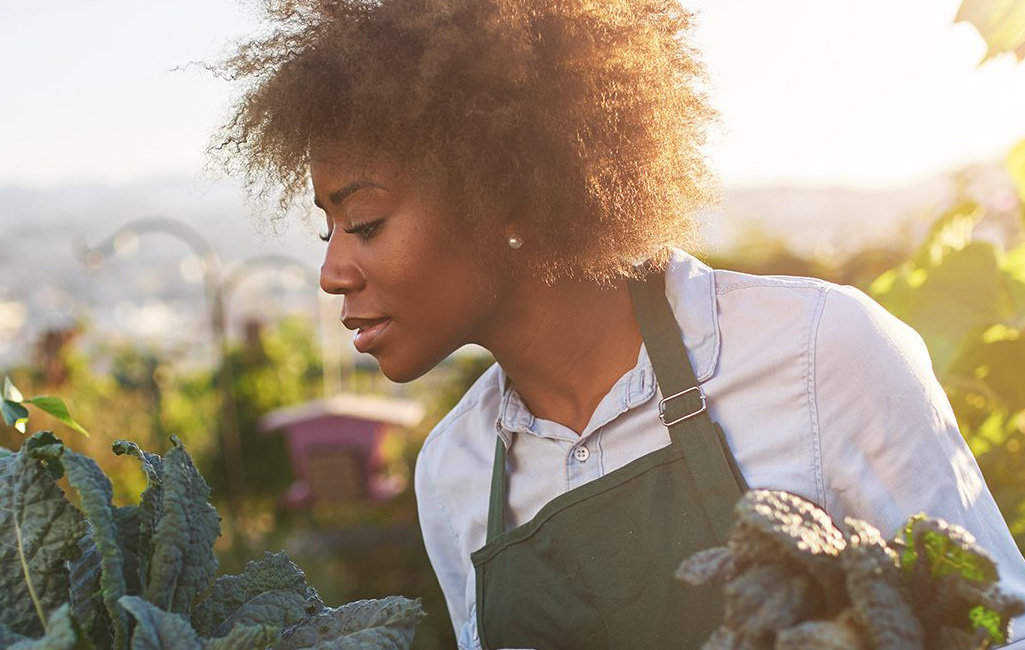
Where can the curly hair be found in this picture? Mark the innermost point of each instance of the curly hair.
(582, 121)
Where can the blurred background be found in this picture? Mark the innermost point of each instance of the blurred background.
(876, 143)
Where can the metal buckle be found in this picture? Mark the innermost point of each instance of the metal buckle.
(662, 406)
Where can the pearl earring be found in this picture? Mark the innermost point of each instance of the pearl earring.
(515, 241)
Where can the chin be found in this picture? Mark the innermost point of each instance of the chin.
(402, 372)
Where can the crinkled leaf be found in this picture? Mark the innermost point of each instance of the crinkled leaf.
(150, 505)
(272, 591)
(46, 448)
(62, 633)
(244, 637)
(58, 409)
(935, 550)
(156, 629)
(96, 494)
(127, 520)
(946, 551)
(15, 415)
(7, 637)
(269, 608)
(986, 619)
(385, 624)
(39, 533)
(85, 595)
(183, 563)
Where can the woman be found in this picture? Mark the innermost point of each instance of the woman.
(495, 172)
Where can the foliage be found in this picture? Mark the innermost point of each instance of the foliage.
(966, 297)
(16, 415)
(101, 576)
(794, 580)
(278, 367)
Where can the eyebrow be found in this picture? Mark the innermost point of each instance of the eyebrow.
(338, 196)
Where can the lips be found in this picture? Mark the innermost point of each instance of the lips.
(368, 330)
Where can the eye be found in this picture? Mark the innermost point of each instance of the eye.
(366, 229)
(326, 237)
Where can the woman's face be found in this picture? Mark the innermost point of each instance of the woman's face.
(413, 292)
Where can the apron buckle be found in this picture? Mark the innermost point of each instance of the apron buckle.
(662, 406)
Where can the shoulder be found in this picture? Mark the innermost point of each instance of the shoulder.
(855, 334)
(844, 323)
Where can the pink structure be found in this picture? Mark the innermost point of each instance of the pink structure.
(335, 446)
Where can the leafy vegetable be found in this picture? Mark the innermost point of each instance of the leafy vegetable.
(156, 629)
(183, 563)
(386, 624)
(39, 532)
(793, 580)
(272, 590)
(110, 578)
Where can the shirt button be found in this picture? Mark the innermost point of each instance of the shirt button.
(581, 454)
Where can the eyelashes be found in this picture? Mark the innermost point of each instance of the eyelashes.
(363, 230)
(366, 229)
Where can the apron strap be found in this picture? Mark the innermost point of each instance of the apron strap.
(496, 507)
(682, 408)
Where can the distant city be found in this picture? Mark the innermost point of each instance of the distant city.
(149, 288)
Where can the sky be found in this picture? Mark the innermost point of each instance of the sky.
(872, 94)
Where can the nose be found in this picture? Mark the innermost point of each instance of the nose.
(340, 274)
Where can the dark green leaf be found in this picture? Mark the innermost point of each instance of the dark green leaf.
(62, 633)
(127, 519)
(58, 409)
(271, 591)
(96, 494)
(244, 637)
(149, 508)
(7, 637)
(156, 629)
(85, 596)
(183, 563)
(385, 624)
(46, 448)
(39, 533)
(15, 415)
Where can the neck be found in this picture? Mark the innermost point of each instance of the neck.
(565, 345)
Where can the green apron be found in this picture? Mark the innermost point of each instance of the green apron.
(593, 570)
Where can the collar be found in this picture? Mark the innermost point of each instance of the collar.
(690, 289)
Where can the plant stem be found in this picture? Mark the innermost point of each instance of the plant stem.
(28, 578)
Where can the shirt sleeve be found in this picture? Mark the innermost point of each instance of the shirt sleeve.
(888, 440)
(441, 542)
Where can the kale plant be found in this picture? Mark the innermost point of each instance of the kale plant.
(793, 580)
(99, 577)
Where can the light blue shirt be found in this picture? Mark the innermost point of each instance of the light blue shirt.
(819, 390)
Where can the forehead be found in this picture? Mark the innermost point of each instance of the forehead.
(331, 169)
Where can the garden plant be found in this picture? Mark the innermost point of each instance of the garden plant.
(794, 580)
(94, 576)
